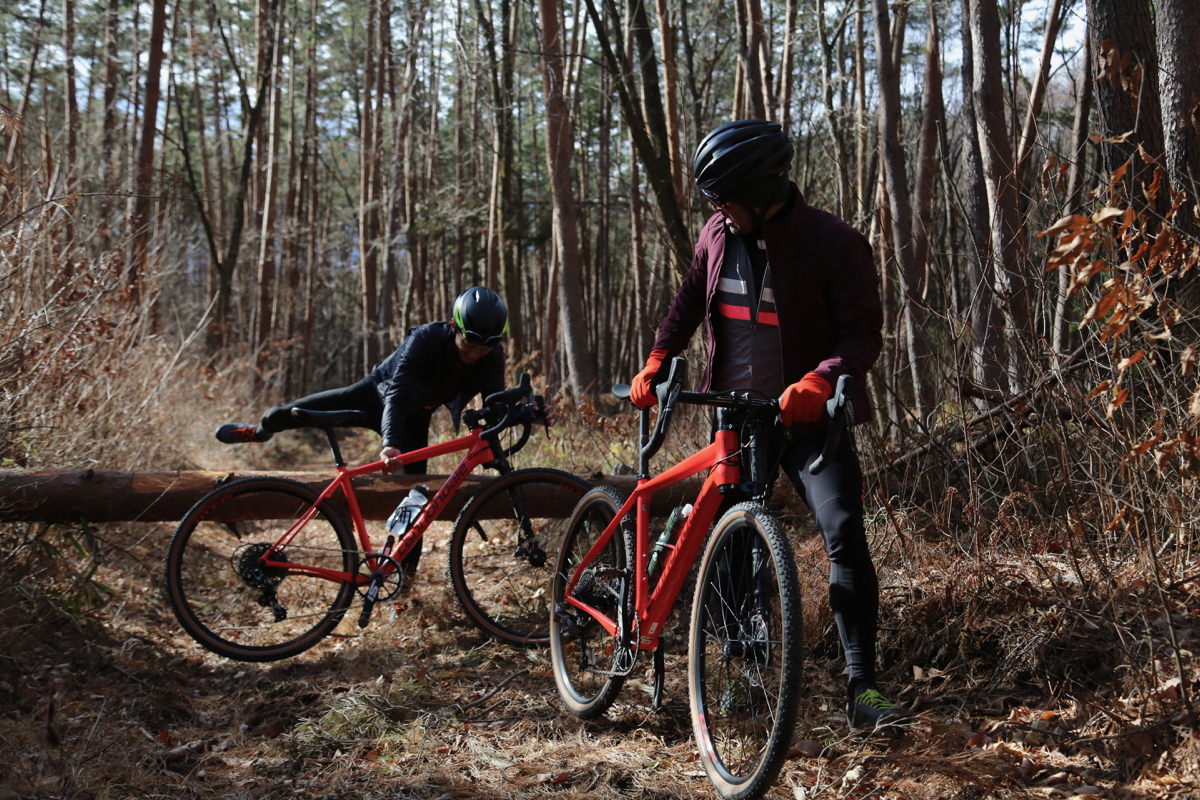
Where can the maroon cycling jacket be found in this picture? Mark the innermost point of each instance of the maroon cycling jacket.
(826, 295)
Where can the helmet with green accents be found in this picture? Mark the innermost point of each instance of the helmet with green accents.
(481, 316)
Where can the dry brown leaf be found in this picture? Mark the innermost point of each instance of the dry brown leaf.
(1126, 363)
(1194, 406)
(1100, 389)
(808, 748)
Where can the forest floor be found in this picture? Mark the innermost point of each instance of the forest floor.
(1026, 675)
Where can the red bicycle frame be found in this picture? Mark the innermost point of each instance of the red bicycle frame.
(721, 458)
(479, 452)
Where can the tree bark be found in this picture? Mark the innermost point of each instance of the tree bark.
(896, 182)
(368, 209)
(987, 343)
(1127, 97)
(835, 113)
(1060, 338)
(749, 50)
(109, 121)
(1010, 283)
(647, 128)
(560, 145)
(666, 38)
(72, 115)
(933, 115)
(139, 223)
(1038, 90)
(1179, 51)
(265, 288)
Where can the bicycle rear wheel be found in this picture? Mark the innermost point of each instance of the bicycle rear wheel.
(503, 551)
(745, 654)
(230, 604)
(583, 655)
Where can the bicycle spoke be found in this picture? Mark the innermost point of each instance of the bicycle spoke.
(229, 600)
(502, 555)
(745, 660)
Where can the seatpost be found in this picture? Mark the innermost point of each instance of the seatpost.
(333, 445)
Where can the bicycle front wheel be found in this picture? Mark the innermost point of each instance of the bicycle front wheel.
(503, 551)
(744, 659)
(232, 605)
(583, 655)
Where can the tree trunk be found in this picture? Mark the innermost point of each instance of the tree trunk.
(833, 111)
(368, 209)
(265, 285)
(139, 223)
(1038, 91)
(72, 109)
(933, 116)
(1060, 337)
(1010, 284)
(666, 38)
(559, 147)
(1179, 51)
(1123, 45)
(749, 50)
(68, 495)
(647, 128)
(985, 320)
(787, 64)
(109, 123)
(896, 182)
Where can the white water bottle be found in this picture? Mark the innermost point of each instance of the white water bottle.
(405, 513)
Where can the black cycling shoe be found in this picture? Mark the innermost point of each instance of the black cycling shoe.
(870, 709)
(236, 433)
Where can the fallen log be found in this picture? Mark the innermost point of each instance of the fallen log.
(72, 496)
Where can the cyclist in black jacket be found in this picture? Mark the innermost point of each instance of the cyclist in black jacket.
(440, 363)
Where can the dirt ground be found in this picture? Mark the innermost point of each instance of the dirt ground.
(1020, 689)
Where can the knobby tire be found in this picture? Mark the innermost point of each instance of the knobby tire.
(228, 607)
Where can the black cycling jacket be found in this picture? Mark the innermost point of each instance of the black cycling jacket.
(411, 379)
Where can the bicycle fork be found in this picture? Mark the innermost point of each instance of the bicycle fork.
(527, 544)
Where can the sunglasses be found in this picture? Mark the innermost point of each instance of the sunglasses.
(479, 340)
(717, 203)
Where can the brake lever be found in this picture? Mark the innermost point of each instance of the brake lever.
(840, 410)
(543, 412)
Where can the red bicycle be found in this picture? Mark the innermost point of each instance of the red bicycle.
(745, 639)
(264, 568)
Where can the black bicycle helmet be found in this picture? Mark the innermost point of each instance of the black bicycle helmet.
(744, 162)
(481, 316)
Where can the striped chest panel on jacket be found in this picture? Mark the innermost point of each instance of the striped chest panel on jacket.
(745, 324)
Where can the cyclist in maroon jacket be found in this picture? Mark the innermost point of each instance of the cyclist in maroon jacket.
(790, 299)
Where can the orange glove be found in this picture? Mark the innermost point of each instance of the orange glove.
(804, 401)
(641, 391)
